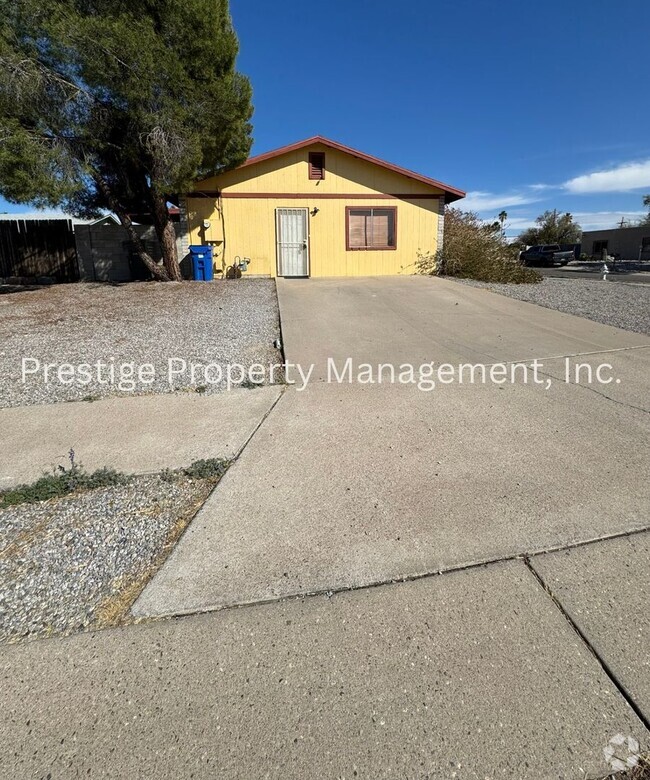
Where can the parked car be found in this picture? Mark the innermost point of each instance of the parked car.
(546, 254)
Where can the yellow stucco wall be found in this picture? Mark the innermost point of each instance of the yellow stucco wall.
(250, 222)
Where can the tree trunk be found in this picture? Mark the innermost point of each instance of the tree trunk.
(166, 235)
(157, 271)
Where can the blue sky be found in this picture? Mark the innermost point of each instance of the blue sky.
(511, 99)
(527, 106)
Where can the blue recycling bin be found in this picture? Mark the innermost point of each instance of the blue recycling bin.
(202, 270)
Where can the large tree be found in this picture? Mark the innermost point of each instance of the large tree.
(551, 227)
(117, 104)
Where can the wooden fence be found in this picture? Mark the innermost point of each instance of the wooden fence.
(43, 247)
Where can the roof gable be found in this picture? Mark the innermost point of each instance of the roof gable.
(451, 193)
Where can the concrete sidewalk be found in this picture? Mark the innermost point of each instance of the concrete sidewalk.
(472, 674)
(605, 589)
(134, 434)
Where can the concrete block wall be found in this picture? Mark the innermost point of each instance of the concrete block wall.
(104, 251)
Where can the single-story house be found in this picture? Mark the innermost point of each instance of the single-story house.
(318, 208)
(627, 243)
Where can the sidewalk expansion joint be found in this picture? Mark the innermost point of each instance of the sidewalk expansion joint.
(234, 459)
(577, 384)
(260, 423)
(602, 395)
(330, 592)
(585, 641)
(574, 354)
(606, 397)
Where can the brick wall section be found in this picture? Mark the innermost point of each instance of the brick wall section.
(182, 230)
(441, 222)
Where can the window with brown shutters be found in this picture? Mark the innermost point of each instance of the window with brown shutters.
(316, 165)
(371, 228)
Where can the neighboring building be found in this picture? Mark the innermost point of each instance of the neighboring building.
(317, 208)
(107, 219)
(631, 243)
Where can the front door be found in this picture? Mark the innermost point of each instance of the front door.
(293, 242)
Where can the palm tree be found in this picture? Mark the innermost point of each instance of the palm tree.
(502, 219)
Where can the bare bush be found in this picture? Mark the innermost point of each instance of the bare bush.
(475, 250)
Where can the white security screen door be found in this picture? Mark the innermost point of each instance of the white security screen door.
(293, 242)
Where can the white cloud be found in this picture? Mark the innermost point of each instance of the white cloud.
(519, 223)
(490, 201)
(602, 220)
(623, 178)
(588, 220)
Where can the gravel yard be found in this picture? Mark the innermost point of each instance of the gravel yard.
(144, 323)
(625, 306)
(79, 562)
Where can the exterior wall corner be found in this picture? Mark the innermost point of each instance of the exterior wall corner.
(441, 223)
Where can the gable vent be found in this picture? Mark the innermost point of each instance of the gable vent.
(316, 165)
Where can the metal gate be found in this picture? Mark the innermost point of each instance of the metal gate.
(292, 237)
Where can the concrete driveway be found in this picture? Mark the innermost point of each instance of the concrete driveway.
(349, 485)
(518, 660)
(415, 319)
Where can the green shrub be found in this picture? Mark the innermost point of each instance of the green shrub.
(476, 250)
(206, 469)
(212, 468)
(75, 479)
(60, 483)
(248, 384)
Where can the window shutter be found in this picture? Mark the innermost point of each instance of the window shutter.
(316, 165)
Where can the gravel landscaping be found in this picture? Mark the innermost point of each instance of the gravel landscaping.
(79, 562)
(233, 322)
(623, 305)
